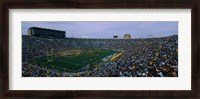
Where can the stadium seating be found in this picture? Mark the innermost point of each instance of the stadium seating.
(150, 57)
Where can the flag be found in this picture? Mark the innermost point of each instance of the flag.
(157, 54)
(150, 62)
(155, 58)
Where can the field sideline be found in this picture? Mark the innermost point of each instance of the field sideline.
(73, 63)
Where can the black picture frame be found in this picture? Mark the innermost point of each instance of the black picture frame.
(194, 5)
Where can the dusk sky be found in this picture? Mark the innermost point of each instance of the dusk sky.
(107, 29)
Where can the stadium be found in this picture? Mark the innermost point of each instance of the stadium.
(56, 56)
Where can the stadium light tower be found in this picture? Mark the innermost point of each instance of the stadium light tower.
(115, 37)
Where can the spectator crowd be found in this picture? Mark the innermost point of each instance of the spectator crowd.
(148, 57)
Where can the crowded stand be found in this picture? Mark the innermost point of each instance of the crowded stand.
(143, 57)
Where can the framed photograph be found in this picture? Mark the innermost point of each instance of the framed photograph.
(143, 49)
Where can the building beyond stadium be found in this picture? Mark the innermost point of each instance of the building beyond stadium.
(45, 33)
(127, 36)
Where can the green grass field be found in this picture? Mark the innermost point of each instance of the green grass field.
(73, 63)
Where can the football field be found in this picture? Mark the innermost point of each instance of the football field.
(73, 63)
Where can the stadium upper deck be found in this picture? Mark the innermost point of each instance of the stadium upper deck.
(45, 33)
